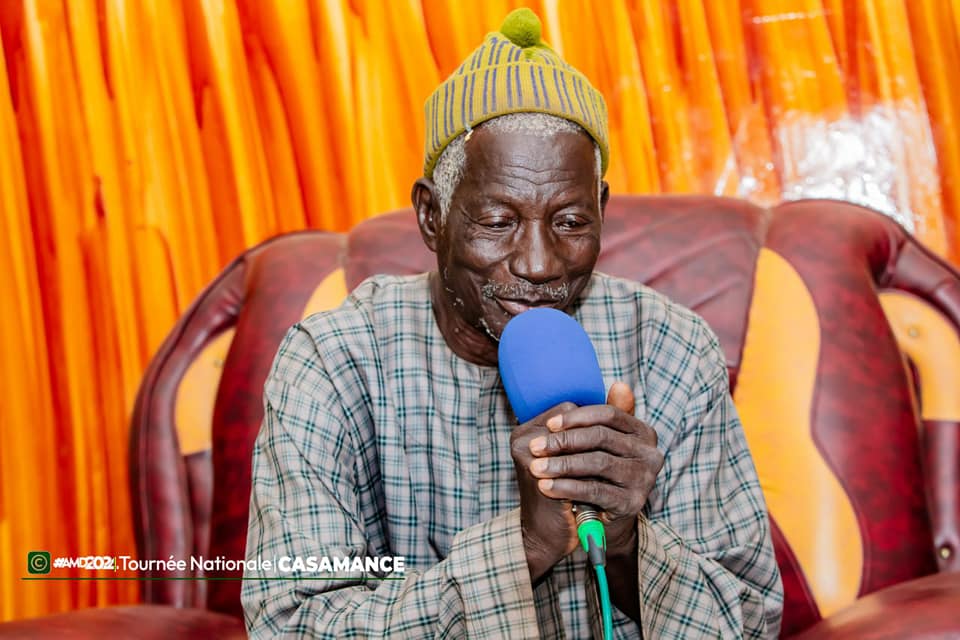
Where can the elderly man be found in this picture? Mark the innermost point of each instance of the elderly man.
(387, 431)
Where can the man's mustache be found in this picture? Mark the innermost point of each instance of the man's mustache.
(526, 291)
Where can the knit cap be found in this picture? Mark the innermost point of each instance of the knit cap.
(513, 71)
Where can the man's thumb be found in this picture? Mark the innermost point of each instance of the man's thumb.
(621, 396)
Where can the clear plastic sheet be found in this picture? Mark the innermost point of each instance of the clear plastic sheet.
(863, 160)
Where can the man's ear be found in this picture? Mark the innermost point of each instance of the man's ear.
(604, 196)
(427, 205)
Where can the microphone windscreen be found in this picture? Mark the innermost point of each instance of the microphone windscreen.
(547, 358)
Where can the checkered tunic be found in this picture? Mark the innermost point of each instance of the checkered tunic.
(377, 440)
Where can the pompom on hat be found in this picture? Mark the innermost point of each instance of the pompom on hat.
(513, 71)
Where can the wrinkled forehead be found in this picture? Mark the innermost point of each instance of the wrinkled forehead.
(492, 150)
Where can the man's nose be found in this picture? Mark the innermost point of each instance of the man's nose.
(535, 256)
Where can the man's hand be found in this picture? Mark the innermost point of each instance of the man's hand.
(549, 527)
(600, 455)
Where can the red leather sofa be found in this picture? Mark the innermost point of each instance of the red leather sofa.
(842, 339)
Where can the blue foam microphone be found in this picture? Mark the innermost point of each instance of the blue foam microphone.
(547, 358)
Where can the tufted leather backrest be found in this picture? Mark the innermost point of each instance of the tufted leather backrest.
(841, 338)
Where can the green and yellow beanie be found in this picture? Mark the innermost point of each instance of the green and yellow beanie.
(513, 71)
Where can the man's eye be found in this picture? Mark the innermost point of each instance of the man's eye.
(570, 222)
(497, 223)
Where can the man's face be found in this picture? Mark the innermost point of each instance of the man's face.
(523, 229)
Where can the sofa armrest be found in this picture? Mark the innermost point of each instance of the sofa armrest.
(927, 608)
(149, 622)
(915, 270)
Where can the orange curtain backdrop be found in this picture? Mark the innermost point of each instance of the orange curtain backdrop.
(144, 144)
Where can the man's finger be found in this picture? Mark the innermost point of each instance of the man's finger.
(607, 497)
(545, 417)
(592, 439)
(601, 415)
(593, 464)
(621, 396)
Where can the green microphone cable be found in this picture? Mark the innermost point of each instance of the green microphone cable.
(594, 542)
